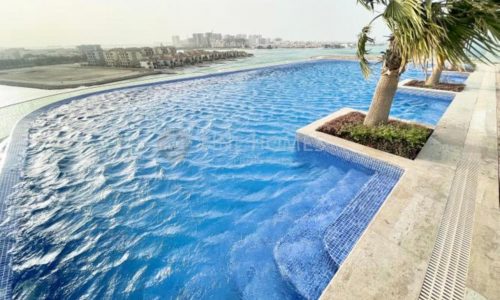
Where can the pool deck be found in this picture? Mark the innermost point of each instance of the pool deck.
(438, 233)
(498, 114)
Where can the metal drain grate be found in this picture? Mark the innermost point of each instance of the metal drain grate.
(447, 271)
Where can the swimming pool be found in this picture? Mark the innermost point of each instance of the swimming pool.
(189, 189)
(454, 77)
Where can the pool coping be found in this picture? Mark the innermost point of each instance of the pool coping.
(391, 258)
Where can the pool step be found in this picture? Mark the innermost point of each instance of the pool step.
(341, 236)
(254, 270)
(300, 255)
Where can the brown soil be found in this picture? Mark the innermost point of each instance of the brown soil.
(395, 137)
(453, 87)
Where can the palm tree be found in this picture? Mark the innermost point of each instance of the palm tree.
(413, 37)
(472, 31)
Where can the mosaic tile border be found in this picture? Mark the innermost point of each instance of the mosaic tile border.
(9, 178)
(341, 236)
(350, 156)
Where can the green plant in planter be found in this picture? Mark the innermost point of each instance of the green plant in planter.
(401, 139)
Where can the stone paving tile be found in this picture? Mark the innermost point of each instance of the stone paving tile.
(390, 259)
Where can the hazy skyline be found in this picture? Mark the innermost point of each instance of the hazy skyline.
(40, 23)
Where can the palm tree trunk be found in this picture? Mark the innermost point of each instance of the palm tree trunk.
(387, 85)
(436, 73)
(382, 99)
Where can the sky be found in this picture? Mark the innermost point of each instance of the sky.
(42, 23)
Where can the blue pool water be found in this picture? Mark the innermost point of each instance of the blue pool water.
(193, 189)
(454, 77)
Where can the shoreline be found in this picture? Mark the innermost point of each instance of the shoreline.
(61, 86)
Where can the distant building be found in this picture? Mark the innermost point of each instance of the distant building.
(201, 40)
(148, 64)
(213, 40)
(209, 38)
(125, 57)
(147, 51)
(162, 50)
(93, 54)
(187, 57)
(254, 40)
(21, 58)
(12, 53)
(231, 41)
(176, 40)
(112, 57)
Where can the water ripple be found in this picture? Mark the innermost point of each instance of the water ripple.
(181, 189)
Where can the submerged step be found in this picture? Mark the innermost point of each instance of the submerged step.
(252, 264)
(300, 255)
(341, 236)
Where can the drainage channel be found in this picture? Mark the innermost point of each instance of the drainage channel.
(447, 271)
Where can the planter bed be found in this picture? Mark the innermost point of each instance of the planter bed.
(396, 137)
(442, 86)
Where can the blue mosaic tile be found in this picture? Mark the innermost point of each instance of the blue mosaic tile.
(8, 179)
(300, 255)
(325, 236)
(342, 235)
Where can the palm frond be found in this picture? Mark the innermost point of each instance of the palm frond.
(370, 4)
(363, 39)
(459, 31)
(472, 31)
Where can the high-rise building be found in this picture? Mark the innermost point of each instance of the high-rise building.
(176, 40)
(254, 39)
(200, 40)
